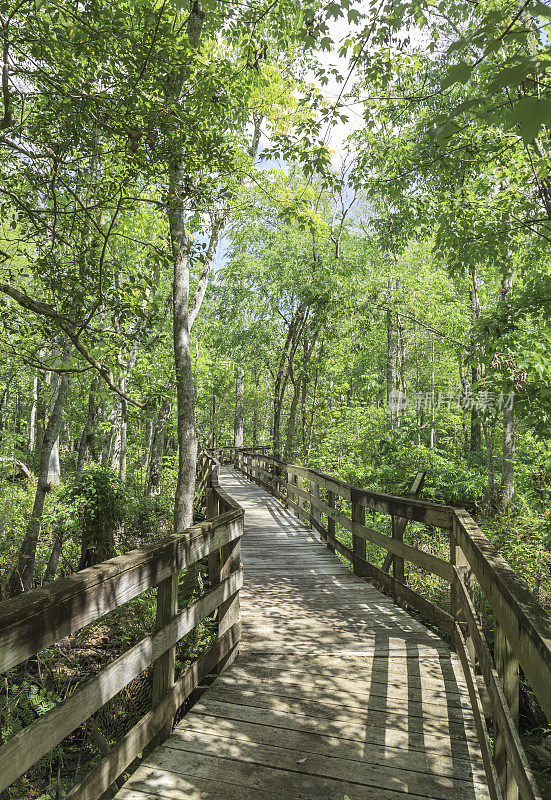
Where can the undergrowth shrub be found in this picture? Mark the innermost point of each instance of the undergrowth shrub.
(98, 501)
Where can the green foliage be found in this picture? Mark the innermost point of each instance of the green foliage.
(97, 499)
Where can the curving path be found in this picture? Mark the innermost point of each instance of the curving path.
(337, 693)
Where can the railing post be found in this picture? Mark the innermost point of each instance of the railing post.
(213, 509)
(314, 511)
(228, 611)
(303, 513)
(359, 549)
(163, 667)
(458, 559)
(507, 668)
(397, 561)
(330, 520)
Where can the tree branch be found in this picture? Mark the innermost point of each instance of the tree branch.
(46, 310)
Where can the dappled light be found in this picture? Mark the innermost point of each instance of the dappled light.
(336, 691)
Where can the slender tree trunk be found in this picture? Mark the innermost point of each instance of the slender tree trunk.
(53, 561)
(463, 378)
(148, 441)
(154, 476)
(33, 416)
(291, 422)
(239, 398)
(255, 408)
(109, 433)
(4, 403)
(432, 436)
(508, 463)
(213, 429)
(490, 461)
(118, 456)
(285, 363)
(390, 354)
(303, 412)
(54, 468)
(418, 417)
(476, 433)
(123, 441)
(22, 576)
(86, 439)
(400, 378)
(185, 392)
(40, 418)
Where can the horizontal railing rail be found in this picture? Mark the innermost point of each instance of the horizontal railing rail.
(41, 617)
(522, 625)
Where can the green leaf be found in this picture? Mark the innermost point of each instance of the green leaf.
(459, 73)
(511, 76)
(529, 113)
(541, 9)
(334, 10)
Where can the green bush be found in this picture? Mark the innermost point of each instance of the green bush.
(98, 501)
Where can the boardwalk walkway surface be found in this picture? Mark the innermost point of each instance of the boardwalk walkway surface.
(336, 693)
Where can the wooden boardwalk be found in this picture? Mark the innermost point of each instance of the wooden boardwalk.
(336, 693)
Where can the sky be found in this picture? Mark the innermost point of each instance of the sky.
(336, 135)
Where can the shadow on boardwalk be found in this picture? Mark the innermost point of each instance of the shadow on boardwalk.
(336, 692)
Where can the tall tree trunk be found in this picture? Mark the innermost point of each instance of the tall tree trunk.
(255, 408)
(53, 561)
(476, 433)
(400, 378)
(239, 398)
(22, 576)
(185, 392)
(40, 418)
(109, 433)
(508, 463)
(148, 441)
(154, 476)
(33, 415)
(432, 435)
(291, 422)
(284, 367)
(123, 441)
(213, 431)
(418, 414)
(86, 440)
(4, 400)
(490, 461)
(54, 466)
(390, 354)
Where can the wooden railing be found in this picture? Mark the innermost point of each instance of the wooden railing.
(522, 627)
(39, 618)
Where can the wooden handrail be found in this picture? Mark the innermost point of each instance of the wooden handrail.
(523, 626)
(39, 618)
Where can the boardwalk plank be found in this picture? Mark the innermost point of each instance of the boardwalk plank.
(336, 691)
